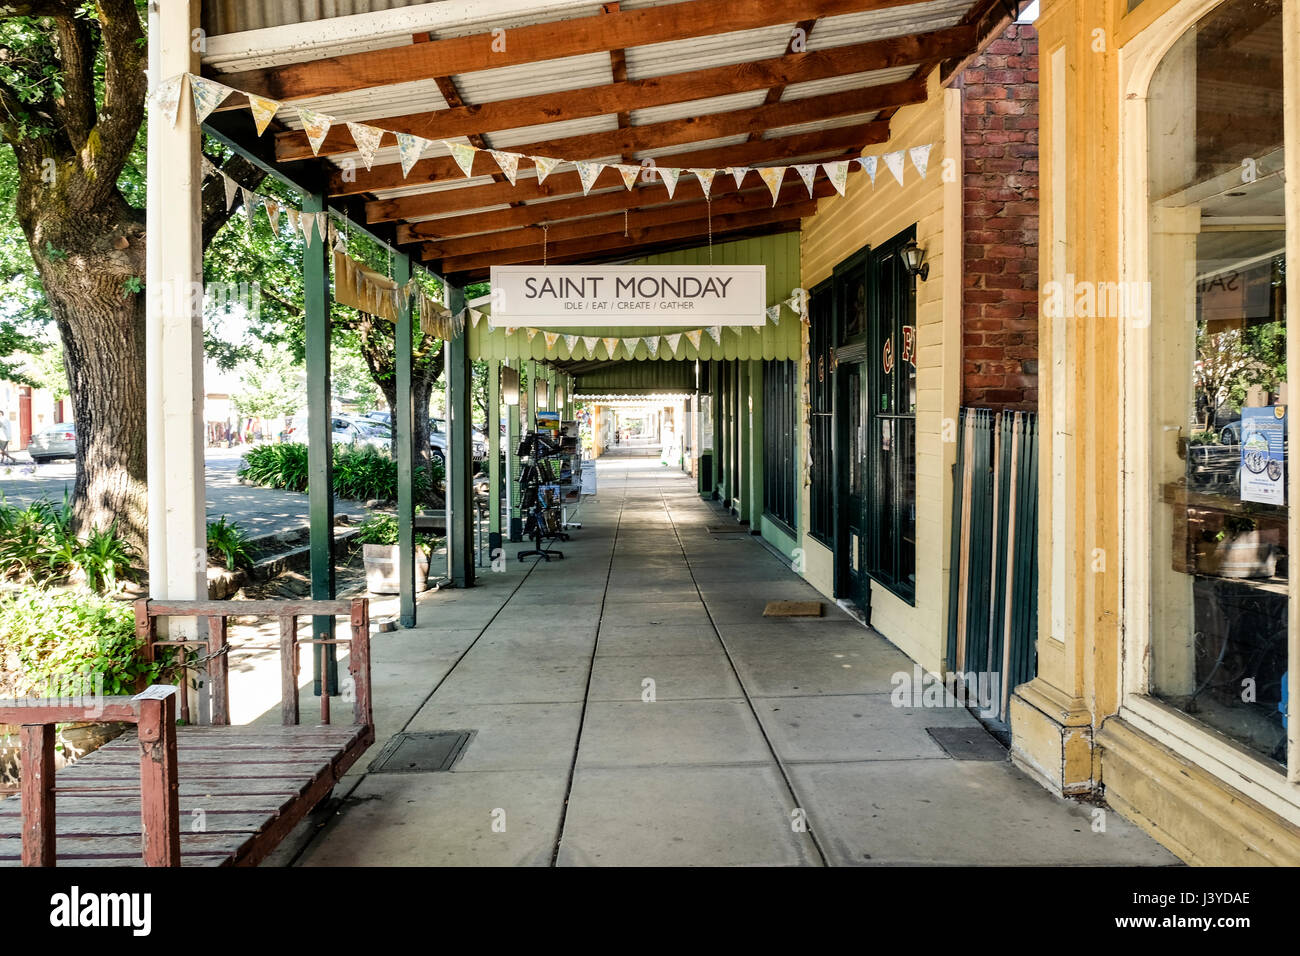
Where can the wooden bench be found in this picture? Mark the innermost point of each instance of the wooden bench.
(211, 795)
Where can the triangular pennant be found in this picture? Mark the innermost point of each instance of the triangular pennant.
(570, 341)
(316, 126)
(590, 342)
(920, 158)
(738, 174)
(774, 313)
(669, 175)
(587, 173)
(551, 339)
(264, 111)
(208, 95)
(273, 214)
(167, 97)
(693, 336)
(673, 340)
(870, 164)
(705, 176)
(509, 163)
(715, 333)
(307, 223)
(894, 162)
(807, 172)
(610, 345)
(475, 316)
(772, 175)
(740, 331)
(532, 334)
(206, 168)
(232, 190)
(652, 343)
(293, 218)
(322, 224)
(545, 166)
(463, 153)
(409, 148)
(838, 174)
(367, 139)
(630, 345)
(629, 173)
(250, 203)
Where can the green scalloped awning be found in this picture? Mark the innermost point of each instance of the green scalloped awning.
(780, 253)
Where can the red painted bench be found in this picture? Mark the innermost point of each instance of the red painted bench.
(211, 795)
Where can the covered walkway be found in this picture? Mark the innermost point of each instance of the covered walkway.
(631, 706)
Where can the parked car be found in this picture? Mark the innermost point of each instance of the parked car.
(1230, 434)
(345, 431)
(56, 441)
(438, 440)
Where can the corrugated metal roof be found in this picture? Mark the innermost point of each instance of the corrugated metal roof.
(713, 104)
(850, 81)
(877, 24)
(510, 138)
(544, 76)
(720, 49)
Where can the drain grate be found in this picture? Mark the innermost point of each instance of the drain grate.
(728, 529)
(967, 743)
(432, 752)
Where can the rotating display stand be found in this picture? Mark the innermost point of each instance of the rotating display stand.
(543, 481)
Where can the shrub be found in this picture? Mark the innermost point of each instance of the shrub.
(276, 466)
(56, 637)
(38, 545)
(382, 529)
(360, 474)
(228, 543)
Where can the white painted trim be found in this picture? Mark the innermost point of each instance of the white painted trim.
(1218, 754)
(300, 42)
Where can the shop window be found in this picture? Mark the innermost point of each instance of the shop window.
(821, 393)
(1218, 415)
(780, 423)
(890, 460)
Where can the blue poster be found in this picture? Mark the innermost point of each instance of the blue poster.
(1263, 454)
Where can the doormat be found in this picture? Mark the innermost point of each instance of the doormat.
(967, 743)
(728, 529)
(421, 752)
(793, 609)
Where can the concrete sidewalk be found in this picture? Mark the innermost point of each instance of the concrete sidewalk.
(631, 706)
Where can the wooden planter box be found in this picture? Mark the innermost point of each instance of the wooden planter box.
(381, 562)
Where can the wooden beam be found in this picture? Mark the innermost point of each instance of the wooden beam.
(694, 229)
(529, 44)
(801, 31)
(557, 184)
(822, 142)
(644, 195)
(754, 200)
(616, 97)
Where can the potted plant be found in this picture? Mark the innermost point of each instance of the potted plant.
(1239, 550)
(378, 537)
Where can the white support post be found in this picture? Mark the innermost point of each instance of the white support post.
(174, 324)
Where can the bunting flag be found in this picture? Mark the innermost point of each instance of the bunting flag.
(807, 172)
(167, 97)
(409, 148)
(264, 111)
(475, 316)
(208, 95)
(532, 334)
(316, 126)
(587, 173)
(772, 175)
(738, 174)
(367, 139)
(705, 176)
(250, 204)
(673, 341)
(307, 222)
(669, 176)
(273, 214)
(693, 336)
(838, 174)
(509, 163)
(610, 345)
(232, 190)
(715, 333)
(463, 153)
(774, 314)
(630, 345)
(551, 339)
(652, 343)
(570, 341)
(322, 224)
(629, 173)
(293, 215)
(920, 158)
(869, 163)
(590, 342)
(340, 243)
(545, 166)
(894, 163)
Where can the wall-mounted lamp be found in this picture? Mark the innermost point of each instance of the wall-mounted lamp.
(914, 258)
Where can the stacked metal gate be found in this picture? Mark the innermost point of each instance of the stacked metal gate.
(993, 605)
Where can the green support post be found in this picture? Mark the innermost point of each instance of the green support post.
(744, 404)
(320, 450)
(460, 463)
(403, 432)
(754, 486)
(513, 423)
(531, 423)
(494, 446)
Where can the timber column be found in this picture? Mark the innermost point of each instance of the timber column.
(460, 451)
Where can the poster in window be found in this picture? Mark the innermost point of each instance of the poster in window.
(1263, 455)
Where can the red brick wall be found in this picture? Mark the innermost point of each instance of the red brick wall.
(1000, 184)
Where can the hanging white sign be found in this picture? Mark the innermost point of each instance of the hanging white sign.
(620, 296)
